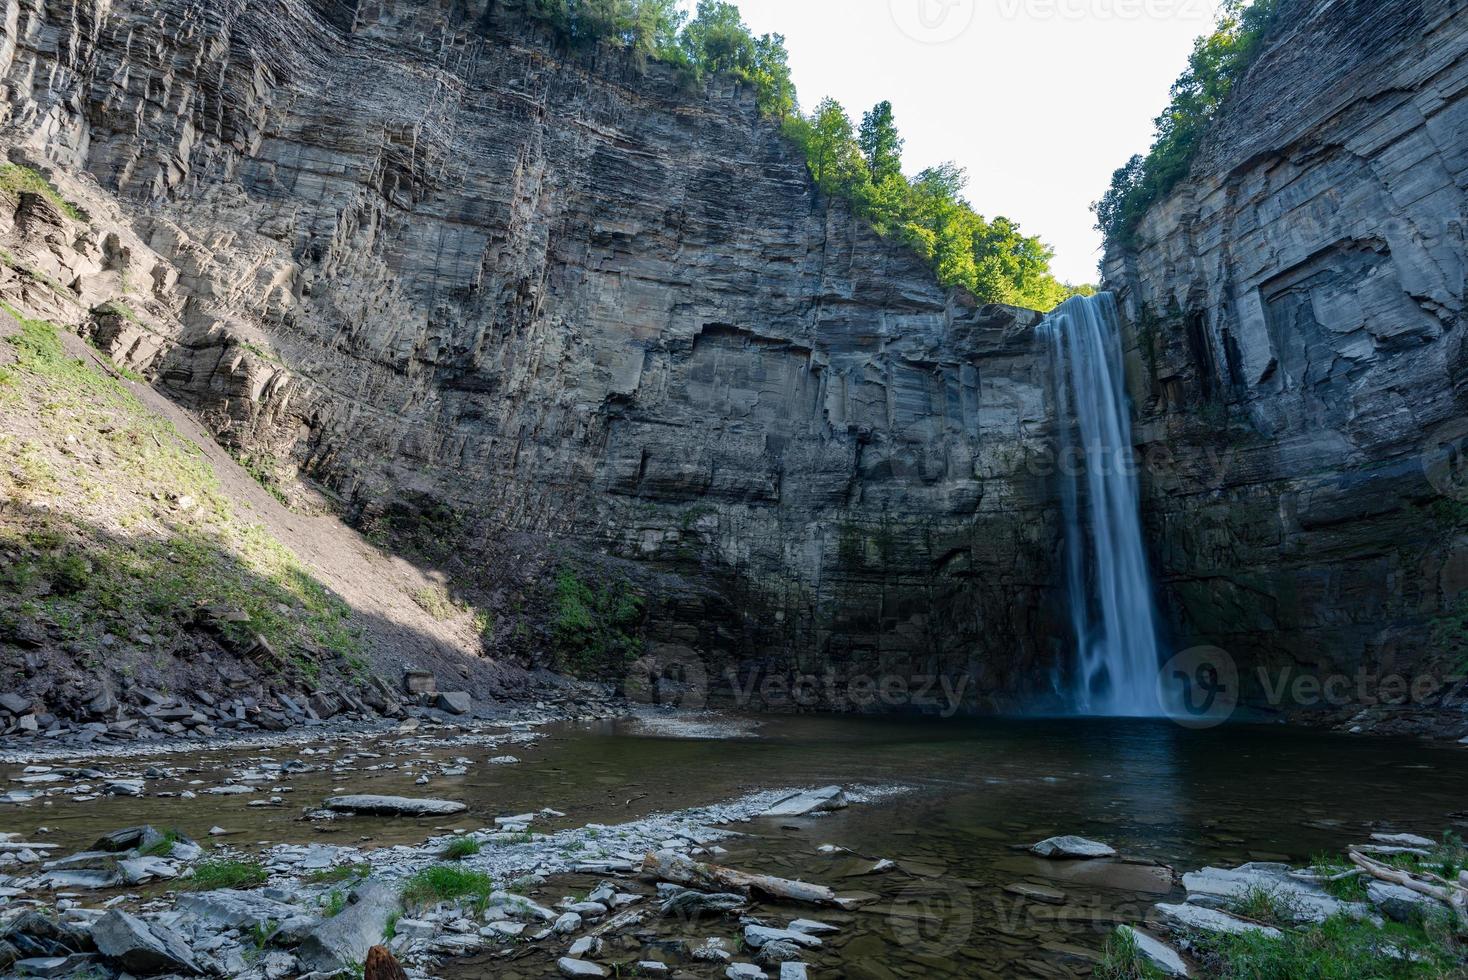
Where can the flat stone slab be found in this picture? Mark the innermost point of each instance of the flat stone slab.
(1072, 848)
(1404, 840)
(1156, 952)
(757, 936)
(394, 806)
(1312, 903)
(1036, 893)
(1212, 920)
(579, 968)
(811, 801)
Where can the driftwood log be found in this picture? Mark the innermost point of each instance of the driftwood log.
(1448, 895)
(681, 870)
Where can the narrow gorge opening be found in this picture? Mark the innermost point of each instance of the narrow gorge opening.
(1109, 586)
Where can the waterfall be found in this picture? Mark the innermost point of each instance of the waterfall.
(1110, 589)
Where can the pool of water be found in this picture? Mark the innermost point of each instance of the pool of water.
(963, 900)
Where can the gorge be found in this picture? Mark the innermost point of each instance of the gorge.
(492, 488)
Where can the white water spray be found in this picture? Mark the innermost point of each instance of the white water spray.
(1106, 564)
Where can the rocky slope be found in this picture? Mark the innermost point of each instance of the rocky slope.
(1298, 358)
(536, 316)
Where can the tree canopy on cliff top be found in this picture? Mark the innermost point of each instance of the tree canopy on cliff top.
(989, 257)
(1218, 61)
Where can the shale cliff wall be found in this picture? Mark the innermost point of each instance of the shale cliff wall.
(532, 310)
(1297, 357)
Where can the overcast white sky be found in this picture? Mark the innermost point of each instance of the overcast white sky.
(1039, 99)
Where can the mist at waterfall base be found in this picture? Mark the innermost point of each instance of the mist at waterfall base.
(1108, 583)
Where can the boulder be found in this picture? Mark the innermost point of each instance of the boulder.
(139, 947)
(745, 971)
(419, 681)
(793, 971)
(811, 801)
(16, 704)
(579, 968)
(231, 909)
(455, 702)
(394, 806)
(1072, 848)
(757, 936)
(777, 951)
(1399, 904)
(343, 940)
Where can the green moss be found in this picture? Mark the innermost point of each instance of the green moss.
(596, 632)
(436, 601)
(345, 872)
(14, 179)
(213, 875)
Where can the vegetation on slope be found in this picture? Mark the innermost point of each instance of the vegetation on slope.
(1217, 63)
(117, 541)
(989, 257)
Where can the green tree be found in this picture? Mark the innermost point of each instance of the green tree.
(880, 143)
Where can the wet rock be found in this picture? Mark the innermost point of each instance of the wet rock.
(1162, 956)
(567, 924)
(455, 702)
(142, 838)
(1070, 847)
(689, 902)
(793, 971)
(745, 971)
(55, 966)
(394, 806)
(579, 968)
(1036, 893)
(1202, 919)
(139, 947)
(776, 952)
(757, 936)
(1404, 840)
(586, 945)
(811, 927)
(812, 801)
(712, 950)
(34, 934)
(343, 940)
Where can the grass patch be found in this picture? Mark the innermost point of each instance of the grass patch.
(1273, 908)
(1337, 878)
(1122, 959)
(436, 601)
(212, 875)
(161, 847)
(1338, 949)
(126, 522)
(446, 883)
(333, 903)
(15, 179)
(460, 848)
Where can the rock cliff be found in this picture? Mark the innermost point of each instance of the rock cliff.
(532, 313)
(1297, 357)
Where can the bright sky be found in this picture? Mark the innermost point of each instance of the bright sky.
(1039, 99)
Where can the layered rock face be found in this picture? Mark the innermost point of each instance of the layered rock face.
(417, 251)
(1297, 356)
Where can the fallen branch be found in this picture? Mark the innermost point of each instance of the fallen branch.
(1448, 896)
(680, 870)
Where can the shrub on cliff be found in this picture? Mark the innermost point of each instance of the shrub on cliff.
(1218, 61)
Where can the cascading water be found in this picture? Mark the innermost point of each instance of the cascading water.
(1110, 587)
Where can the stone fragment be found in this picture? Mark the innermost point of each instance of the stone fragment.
(394, 806)
(142, 948)
(1072, 848)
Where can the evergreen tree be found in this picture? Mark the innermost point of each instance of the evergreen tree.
(880, 143)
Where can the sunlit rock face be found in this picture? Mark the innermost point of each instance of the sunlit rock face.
(1296, 313)
(425, 254)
